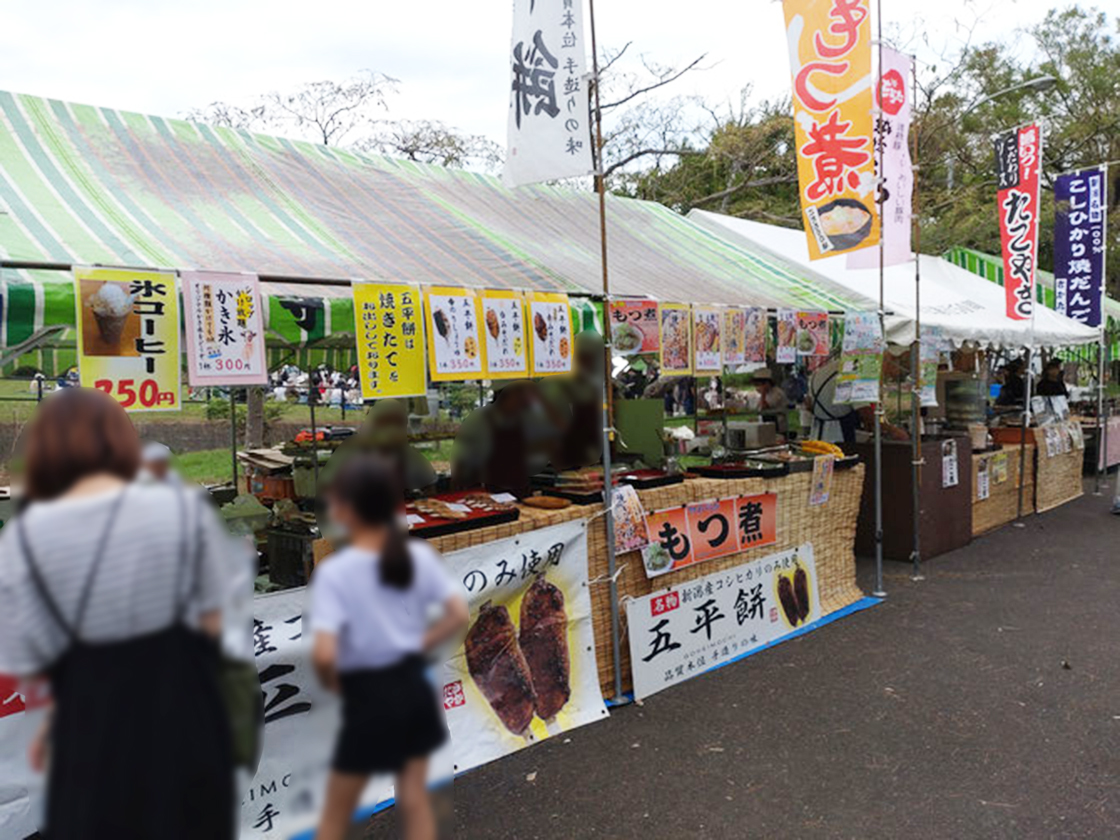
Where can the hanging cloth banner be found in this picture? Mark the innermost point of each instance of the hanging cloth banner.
(830, 53)
(548, 105)
(390, 337)
(1018, 165)
(892, 131)
(224, 329)
(128, 335)
(1079, 223)
(453, 321)
(504, 320)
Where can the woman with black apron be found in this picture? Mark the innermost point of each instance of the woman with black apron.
(111, 590)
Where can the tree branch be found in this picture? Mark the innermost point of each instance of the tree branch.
(660, 83)
(643, 152)
(745, 185)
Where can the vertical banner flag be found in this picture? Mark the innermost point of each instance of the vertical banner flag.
(892, 132)
(548, 105)
(224, 329)
(1079, 223)
(504, 320)
(390, 335)
(635, 326)
(452, 317)
(128, 335)
(829, 44)
(550, 320)
(1018, 166)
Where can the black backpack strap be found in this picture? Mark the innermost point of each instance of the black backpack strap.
(72, 632)
(186, 557)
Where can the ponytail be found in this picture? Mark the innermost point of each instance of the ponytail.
(366, 484)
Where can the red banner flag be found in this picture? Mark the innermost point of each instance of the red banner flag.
(1018, 166)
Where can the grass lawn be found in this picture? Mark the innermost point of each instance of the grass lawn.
(209, 466)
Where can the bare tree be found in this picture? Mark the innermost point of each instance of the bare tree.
(432, 141)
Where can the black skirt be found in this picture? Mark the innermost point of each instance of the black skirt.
(389, 716)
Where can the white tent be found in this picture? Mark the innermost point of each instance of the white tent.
(964, 306)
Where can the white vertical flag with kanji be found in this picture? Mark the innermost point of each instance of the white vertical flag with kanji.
(549, 118)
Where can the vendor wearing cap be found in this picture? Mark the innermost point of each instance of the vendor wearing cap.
(769, 400)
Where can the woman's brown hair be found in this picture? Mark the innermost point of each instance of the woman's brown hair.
(76, 433)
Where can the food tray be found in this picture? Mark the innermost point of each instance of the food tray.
(846, 463)
(435, 526)
(576, 497)
(796, 465)
(732, 470)
(648, 479)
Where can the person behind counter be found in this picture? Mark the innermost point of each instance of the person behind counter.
(1053, 383)
(1013, 392)
(770, 401)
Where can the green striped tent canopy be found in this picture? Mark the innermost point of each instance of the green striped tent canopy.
(87, 185)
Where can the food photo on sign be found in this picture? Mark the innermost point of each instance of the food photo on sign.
(635, 326)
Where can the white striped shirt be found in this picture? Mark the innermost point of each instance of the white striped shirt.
(134, 590)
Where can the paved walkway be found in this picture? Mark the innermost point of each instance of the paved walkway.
(982, 702)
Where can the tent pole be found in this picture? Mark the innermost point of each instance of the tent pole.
(916, 363)
(1102, 427)
(879, 591)
(608, 396)
(233, 435)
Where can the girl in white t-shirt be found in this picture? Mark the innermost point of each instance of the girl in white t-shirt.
(371, 614)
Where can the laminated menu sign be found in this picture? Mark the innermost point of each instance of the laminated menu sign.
(812, 334)
(630, 531)
(754, 343)
(821, 486)
(687, 534)
(933, 342)
(550, 321)
(861, 362)
(707, 321)
(676, 339)
(983, 479)
(224, 329)
(504, 320)
(702, 624)
(453, 318)
(390, 337)
(734, 336)
(1000, 468)
(950, 465)
(786, 352)
(526, 670)
(128, 335)
(635, 326)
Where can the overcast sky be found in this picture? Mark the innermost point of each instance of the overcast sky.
(165, 57)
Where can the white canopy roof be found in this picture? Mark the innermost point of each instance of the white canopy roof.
(966, 307)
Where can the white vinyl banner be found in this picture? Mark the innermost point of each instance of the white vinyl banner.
(702, 624)
(21, 791)
(526, 670)
(549, 133)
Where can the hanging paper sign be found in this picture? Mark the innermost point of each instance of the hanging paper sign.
(861, 362)
(813, 337)
(707, 321)
(224, 329)
(712, 529)
(550, 321)
(635, 326)
(676, 339)
(829, 43)
(548, 106)
(630, 529)
(821, 486)
(932, 345)
(389, 329)
(1018, 165)
(128, 335)
(787, 337)
(754, 342)
(983, 479)
(503, 317)
(950, 464)
(757, 520)
(734, 337)
(705, 623)
(456, 350)
(1079, 229)
(892, 131)
(670, 547)
(1000, 467)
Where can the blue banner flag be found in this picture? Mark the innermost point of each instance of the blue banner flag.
(1079, 223)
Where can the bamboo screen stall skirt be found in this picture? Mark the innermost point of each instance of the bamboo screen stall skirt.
(1002, 504)
(830, 527)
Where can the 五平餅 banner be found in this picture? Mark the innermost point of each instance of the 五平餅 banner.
(830, 55)
(224, 329)
(128, 335)
(389, 326)
(1079, 227)
(548, 105)
(892, 133)
(1018, 164)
